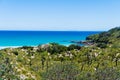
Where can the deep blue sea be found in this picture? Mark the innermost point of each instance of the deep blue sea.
(34, 38)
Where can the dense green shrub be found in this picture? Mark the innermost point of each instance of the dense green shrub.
(7, 71)
(72, 47)
(101, 45)
(65, 71)
(107, 74)
(100, 74)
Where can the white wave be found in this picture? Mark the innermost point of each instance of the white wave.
(3, 47)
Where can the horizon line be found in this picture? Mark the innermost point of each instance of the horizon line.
(54, 30)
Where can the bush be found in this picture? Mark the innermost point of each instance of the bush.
(72, 47)
(100, 74)
(15, 52)
(102, 45)
(107, 74)
(65, 71)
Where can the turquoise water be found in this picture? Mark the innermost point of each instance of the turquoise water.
(34, 38)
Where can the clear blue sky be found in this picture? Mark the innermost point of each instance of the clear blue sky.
(80, 15)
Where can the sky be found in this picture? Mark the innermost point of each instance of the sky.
(59, 15)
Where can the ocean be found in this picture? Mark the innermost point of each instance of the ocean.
(34, 38)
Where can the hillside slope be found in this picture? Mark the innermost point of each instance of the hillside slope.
(110, 38)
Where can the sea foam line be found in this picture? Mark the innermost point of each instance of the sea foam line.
(3, 47)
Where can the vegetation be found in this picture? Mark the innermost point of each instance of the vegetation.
(65, 71)
(111, 37)
(100, 61)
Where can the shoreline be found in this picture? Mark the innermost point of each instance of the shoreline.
(4, 47)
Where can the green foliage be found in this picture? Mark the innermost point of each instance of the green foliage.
(100, 74)
(55, 48)
(107, 74)
(7, 71)
(93, 38)
(15, 52)
(65, 71)
(27, 47)
(101, 45)
(110, 37)
(72, 47)
(52, 48)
